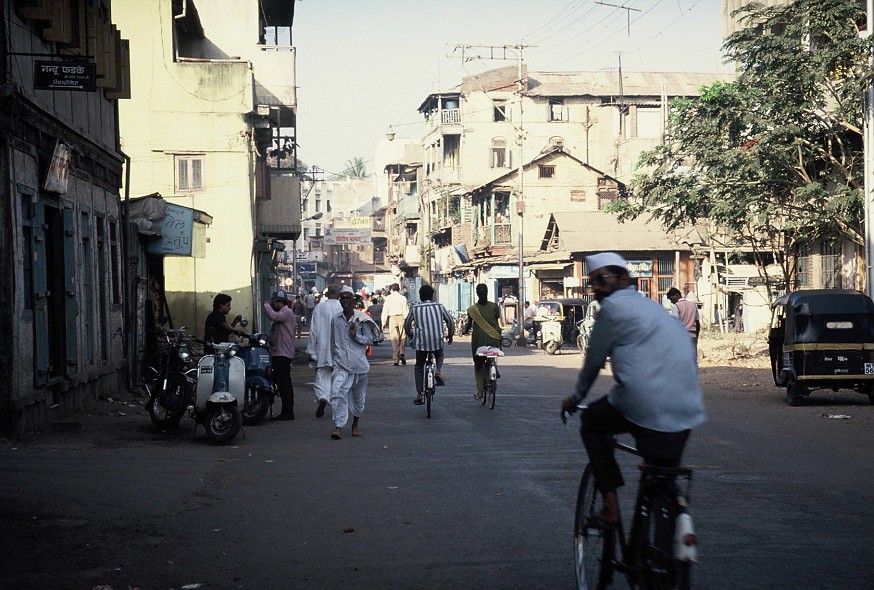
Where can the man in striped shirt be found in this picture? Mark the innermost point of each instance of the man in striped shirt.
(424, 327)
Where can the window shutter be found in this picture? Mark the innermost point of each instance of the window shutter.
(70, 302)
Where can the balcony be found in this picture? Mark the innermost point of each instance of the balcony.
(450, 117)
(274, 74)
(279, 216)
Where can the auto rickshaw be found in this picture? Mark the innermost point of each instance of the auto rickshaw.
(822, 339)
(555, 322)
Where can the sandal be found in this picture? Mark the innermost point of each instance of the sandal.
(478, 396)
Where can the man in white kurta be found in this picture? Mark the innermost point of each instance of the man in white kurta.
(352, 331)
(319, 347)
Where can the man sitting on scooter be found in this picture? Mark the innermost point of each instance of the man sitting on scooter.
(217, 329)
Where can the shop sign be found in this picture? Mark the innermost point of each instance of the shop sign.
(64, 75)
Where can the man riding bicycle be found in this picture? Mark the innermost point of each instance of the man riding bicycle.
(424, 328)
(656, 397)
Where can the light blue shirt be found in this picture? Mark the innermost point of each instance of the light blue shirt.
(348, 354)
(653, 363)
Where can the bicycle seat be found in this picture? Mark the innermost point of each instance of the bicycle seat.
(489, 351)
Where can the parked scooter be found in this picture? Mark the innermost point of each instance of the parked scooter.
(221, 383)
(170, 379)
(510, 337)
(260, 392)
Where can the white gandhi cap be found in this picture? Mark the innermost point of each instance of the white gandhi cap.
(596, 261)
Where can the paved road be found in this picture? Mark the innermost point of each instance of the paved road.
(472, 498)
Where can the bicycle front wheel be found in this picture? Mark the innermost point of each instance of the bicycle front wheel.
(593, 543)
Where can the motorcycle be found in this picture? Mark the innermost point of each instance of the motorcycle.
(170, 380)
(510, 337)
(260, 392)
(221, 382)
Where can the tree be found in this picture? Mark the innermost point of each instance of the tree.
(355, 168)
(775, 157)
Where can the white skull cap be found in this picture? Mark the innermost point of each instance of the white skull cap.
(346, 289)
(602, 259)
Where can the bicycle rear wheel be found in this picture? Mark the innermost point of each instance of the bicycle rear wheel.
(665, 572)
(593, 543)
(491, 388)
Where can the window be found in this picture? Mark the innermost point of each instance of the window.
(318, 205)
(501, 111)
(499, 153)
(556, 109)
(556, 141)
(547, 171)
(306, 233)
(318, 230)
(189, 173)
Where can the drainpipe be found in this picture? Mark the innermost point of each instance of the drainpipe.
(130, 316)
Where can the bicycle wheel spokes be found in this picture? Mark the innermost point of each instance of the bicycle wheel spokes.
(593, 543)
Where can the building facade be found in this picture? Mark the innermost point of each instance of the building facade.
(64, 68)
(211, 127)
(574, 138)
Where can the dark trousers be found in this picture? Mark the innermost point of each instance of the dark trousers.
(282, 379)
(601, 421)
(419, 371)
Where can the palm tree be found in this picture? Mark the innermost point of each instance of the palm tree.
(356, 168)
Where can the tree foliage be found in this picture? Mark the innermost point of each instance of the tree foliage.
(775, 157)
(355, 168)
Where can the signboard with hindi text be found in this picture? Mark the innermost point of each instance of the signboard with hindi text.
(64, 75)
(349, 230)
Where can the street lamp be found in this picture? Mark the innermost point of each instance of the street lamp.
(312, 217)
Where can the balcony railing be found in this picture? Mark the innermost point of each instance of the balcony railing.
(450, 117)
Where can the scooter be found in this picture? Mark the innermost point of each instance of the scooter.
(260, 392)
(221, 383)
(510, 337)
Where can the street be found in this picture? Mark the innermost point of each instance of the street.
(472, 498)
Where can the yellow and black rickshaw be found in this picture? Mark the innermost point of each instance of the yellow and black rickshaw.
(822, 339)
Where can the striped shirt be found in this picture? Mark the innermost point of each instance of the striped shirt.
(424, 325)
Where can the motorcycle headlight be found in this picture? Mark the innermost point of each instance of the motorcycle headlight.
(261, 339)
(184, 353)
(232, 351)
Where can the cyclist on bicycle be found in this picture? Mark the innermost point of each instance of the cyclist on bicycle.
(656, 396)
(424, 328)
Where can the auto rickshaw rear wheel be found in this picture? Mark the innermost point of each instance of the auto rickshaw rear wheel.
(868, 389)
(795, 393)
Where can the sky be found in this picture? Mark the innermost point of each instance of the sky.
(365, 65)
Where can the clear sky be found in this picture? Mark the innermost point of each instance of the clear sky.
(365, 65)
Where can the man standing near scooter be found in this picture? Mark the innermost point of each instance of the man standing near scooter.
(351, 333)
(281, 342)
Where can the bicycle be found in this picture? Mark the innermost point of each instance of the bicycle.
(661, 546)
(430, 371)
(490, 386)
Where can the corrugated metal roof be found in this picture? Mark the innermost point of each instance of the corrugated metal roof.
(633, 83)
(599, 231)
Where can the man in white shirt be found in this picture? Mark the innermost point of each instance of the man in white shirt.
(394, 312)
(319, 346)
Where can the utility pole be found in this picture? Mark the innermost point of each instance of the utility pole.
(625, 8)
(510, 52)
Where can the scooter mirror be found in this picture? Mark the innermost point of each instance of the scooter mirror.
(244, 322)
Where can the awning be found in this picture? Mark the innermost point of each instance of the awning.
(548, 266)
